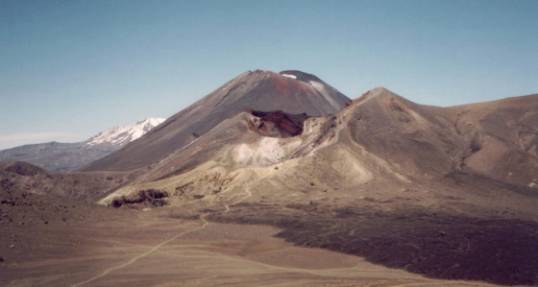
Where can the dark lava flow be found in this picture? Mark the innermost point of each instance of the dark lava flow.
(501, 251)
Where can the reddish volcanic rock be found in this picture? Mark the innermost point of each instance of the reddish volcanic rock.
(278, 123)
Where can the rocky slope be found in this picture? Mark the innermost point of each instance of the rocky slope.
(380, 139)
(23, 178)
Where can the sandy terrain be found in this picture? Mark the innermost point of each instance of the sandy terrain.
(129, 248)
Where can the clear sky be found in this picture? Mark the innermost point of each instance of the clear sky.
(69, 69)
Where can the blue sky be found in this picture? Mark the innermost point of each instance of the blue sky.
(69, 69)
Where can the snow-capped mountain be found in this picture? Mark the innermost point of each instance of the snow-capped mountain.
(55, 156)
(125, 134)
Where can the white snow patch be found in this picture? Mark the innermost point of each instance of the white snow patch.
(125, 134)
(321, 89)
(290, 76)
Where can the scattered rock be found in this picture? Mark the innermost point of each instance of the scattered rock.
(152, 197)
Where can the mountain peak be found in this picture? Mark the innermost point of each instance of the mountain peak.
(378, 93)
(124, 134)
(291, 74)
(299, 75)
(291, 92)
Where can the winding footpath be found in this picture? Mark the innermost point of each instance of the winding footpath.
(205, 223)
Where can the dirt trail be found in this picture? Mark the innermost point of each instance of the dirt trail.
(140, 256)
(133, 260)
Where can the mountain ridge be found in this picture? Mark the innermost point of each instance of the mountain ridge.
(121, 135)
(64, 157)
(396, 138)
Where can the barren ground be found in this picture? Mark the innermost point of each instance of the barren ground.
(123, 247)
